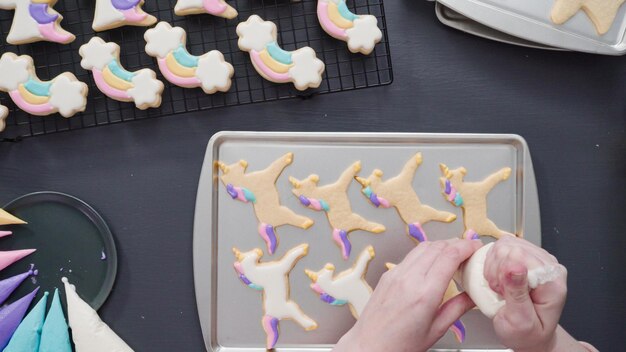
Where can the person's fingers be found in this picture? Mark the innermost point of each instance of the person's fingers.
(450, 312)
(448, 261)
(519, 310)
(419, 260)
(493, 269)
(549, 300)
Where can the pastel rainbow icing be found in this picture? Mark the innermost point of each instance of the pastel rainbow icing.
(471, 234)
(453, 196)
(270, 326)
(168, 45)
(111, 14)
(458, 328)
(325, 297)
(315, 204)
(244, 278)
(63, 94)
(341, 238)
(416, 231)
(35, 20)
(375, 199)
(240, 193)
(213, 7)
(361, 32)
(269, 236)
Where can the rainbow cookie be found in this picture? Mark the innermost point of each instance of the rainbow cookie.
(601, 12)
(272, 279)
(472, 197)
(361, 32)
(301, 67)
(103, 59)
(117, 13)
(63, 94)
(34, 21)
(4, 112)
(398, 192)
(333, 200)
(178, 66)
(212, 7)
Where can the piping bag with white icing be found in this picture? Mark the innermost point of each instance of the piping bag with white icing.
(471, 278)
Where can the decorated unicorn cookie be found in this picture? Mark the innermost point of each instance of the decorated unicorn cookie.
(472, 197)
(398, 192)
(349, 287)
(4, 112)
(333, 200)
(601, 12)
(103, 59)
(209, 71)
(63, 94)
(457, 328)
(301, 67)
(259, 188)
(117, 13)
(34, 21)
(361, 32)
(272, 278)
(212, 7)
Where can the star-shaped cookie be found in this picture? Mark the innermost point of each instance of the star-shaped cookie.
(601, 12)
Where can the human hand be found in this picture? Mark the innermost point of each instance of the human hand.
(405, 312)
(529, 319)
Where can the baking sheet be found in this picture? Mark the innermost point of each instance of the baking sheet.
(530, 20)
(230, 313)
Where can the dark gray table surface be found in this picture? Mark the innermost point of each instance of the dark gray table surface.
(571, 108)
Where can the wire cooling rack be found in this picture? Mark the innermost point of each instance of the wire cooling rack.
(297, 26)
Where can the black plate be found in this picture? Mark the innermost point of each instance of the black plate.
(70, 238)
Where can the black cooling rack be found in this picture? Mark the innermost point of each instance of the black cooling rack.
(297, 26)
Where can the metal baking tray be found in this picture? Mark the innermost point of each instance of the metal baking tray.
(530, 20)
(230, 313)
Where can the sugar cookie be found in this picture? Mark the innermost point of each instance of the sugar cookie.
(63, 94)
(601, 12)
(333, 200)
(212, 7)
(117, 13)
(34, 21)
(349, 287)
(398, 192)
(103, 59)
(178, 66)
(361, 32)
(301, 67)
(272, 278)
(8, 219)
(259, 188)
(4, 112)
(472, 197)
(458, 327)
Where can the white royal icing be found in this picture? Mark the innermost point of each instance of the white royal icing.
(89, 332)
(68, 95)
(106, 15)
(273, 277)
(163, 39)
(14, 70)
(349, 285)
(24, 27)
(307, 69)
(214, 72)
(255, 33)
(4, 112)
(364, 34)
(97, 54)
(147, 89)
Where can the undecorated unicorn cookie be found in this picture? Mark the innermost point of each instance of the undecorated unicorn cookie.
(349, 287)
(168, 45)
(333, 200)
(398, 192)
(361, 32)
(259, 189)
(4, 112)
(63, 94)
(472, 197)
(34, 21)
(601, 12)
(301, 67)
(212, 7)
(103, 60)
(117, 13)
(272, 279)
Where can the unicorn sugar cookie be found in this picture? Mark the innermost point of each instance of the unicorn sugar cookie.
(259, 188)
(103, 59)
(4, 112)
(457, 328)
(472, 197)
(601, 12)
(212, 7)
(34, 21)
(117, 13)
(272, 278)
(398, 192)
(63, 94)
(178, 66)
(349, 287)
(361, 32)
(333, 200)
(301, 67)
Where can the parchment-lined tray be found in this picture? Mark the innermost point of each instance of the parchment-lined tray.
(530, 20)
(230, 313)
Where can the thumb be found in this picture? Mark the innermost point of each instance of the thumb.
(519, 307)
